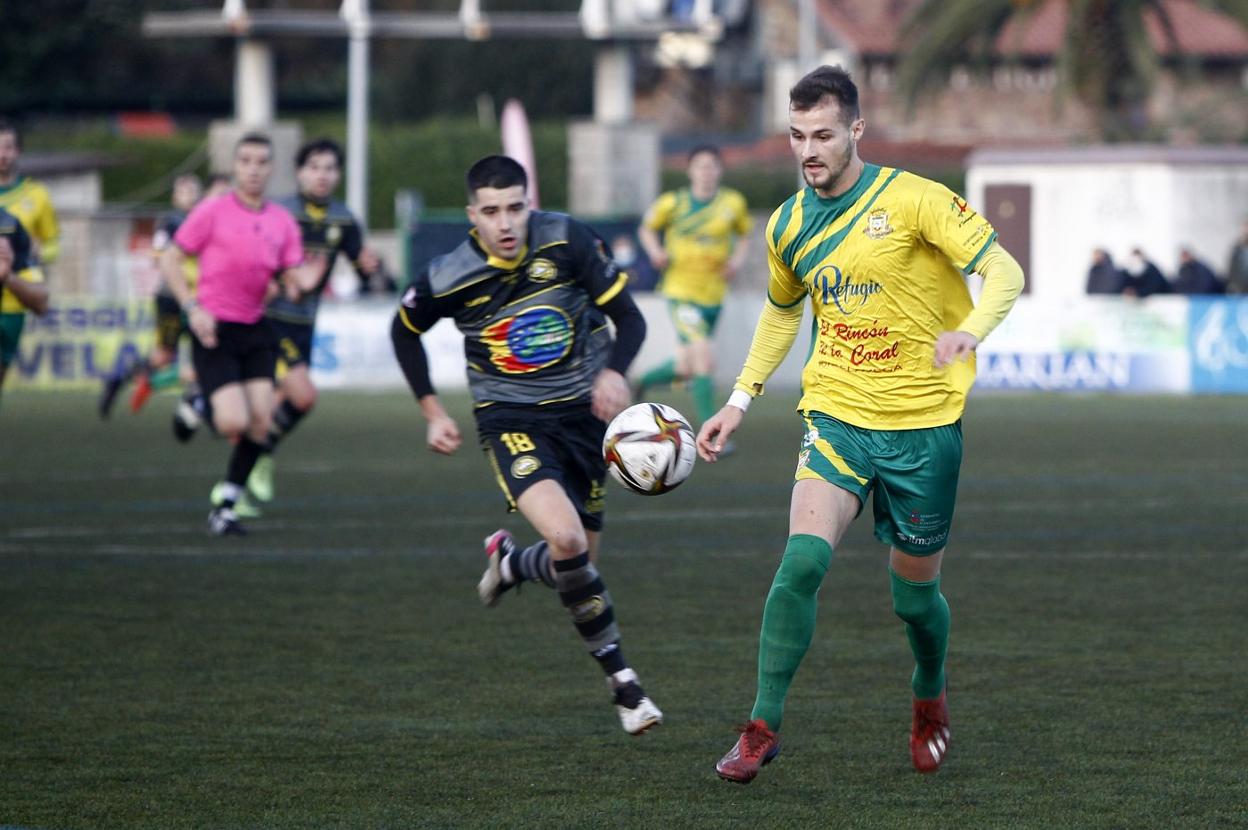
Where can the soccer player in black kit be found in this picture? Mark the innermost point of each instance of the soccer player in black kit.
(330, 228)
(529, 291)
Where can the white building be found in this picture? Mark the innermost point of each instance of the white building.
(1053, 207)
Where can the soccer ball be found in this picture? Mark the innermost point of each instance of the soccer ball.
(649, 448)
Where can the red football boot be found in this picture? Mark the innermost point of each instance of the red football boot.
(756, 748)
(929, 733)
(141, 392)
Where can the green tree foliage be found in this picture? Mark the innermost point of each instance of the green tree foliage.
(1107, 59)
(58, 56)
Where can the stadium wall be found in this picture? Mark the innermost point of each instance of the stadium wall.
(1164, 344)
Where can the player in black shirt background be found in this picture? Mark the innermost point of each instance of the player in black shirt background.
(329, 228)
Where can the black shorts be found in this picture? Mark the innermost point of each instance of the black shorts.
(170, 322)
(244, 351)
(568, 449)
(294, 342)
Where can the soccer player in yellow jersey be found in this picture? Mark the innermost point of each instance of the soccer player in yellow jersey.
(26, 198)
(702, 248)
(882, 255)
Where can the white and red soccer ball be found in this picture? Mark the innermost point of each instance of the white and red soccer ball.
(649, 448)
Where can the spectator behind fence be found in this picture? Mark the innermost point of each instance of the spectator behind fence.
(1143, 277)
(1237, 268)
(1195, 277)
(1103, 276)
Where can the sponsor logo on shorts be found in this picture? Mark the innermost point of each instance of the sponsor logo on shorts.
(524, 466)
(812, 435)
(923, 541)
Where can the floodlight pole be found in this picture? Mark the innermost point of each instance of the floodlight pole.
(355, 13)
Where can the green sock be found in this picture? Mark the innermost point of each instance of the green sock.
(788, 622)
(926, 613)
(164, 377)
(704, 397)
(662, 375)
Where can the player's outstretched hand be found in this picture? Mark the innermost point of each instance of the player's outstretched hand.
(610, 395)
(443, 436)
(953, 345)
(368, 261)
(204, 325)
(716, 432)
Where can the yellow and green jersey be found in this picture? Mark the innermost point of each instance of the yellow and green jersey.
(699, 238)
(23, 269)
(884, 266)
(28, 200)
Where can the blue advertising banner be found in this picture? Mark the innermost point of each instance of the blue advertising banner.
(1218, 344)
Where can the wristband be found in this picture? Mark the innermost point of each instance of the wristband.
(741, 400)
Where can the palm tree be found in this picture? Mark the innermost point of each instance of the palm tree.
(1107, 59)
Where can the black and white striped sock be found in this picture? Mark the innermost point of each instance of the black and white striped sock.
(532, 563)
(585, 596)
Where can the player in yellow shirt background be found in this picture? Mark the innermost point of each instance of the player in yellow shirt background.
(27, 198)
(883, 255)
(27, 201)
(701, 249)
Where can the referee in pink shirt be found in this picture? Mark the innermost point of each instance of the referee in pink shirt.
(249, 250)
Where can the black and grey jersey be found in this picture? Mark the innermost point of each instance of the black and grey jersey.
(327, 229)
(166, 226)
(534, 334)
(11, 228)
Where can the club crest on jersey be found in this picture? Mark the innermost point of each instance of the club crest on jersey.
(835, 287)
(531, 340)
(877, 224)
(542, 270)
(333, 234)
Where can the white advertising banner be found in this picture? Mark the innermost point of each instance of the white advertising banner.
(1090, 344)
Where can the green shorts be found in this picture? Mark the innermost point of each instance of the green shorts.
(10, 335)
(914, 473)
(693, 322)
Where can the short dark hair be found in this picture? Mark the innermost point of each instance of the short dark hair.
(254, 138)
(497, 172)
(315, 148)
(824, 82)
(705, 148)
(7, 126)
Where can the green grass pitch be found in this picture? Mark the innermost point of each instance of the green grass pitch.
(334, 669)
